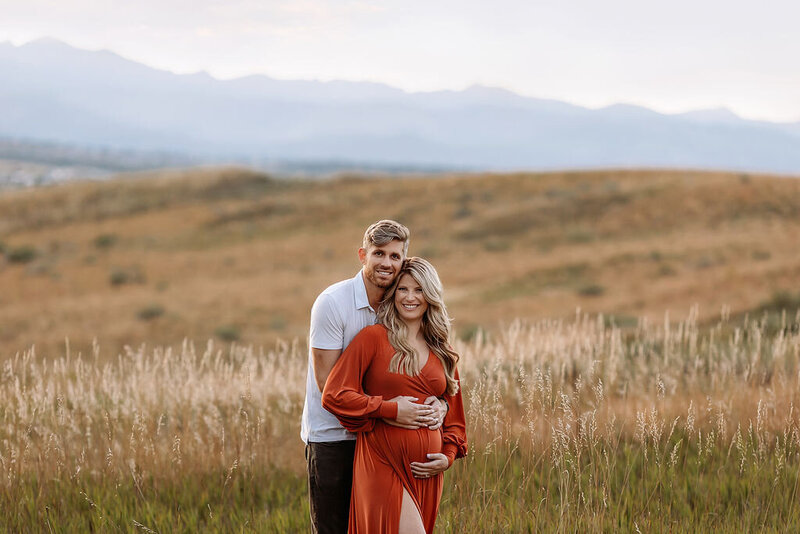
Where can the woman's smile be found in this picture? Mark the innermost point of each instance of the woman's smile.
(409, 299)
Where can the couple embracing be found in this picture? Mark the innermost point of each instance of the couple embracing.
(383, 416)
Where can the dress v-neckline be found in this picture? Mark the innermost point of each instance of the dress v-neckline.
(430, 353)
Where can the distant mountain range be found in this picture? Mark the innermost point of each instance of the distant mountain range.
(50, 91)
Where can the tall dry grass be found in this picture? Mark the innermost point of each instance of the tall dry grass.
(573, 425)
(578, 426)
(162, 413)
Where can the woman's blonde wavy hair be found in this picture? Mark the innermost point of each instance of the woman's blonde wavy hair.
(435, 324)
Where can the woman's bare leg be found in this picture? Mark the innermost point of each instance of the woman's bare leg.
(410, 521)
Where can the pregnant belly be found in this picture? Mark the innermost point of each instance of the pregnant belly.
(406, 445)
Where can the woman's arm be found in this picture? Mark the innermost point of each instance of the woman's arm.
(344, 395)
(454, 440)
(454, 427)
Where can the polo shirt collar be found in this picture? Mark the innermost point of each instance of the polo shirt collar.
(360, 292)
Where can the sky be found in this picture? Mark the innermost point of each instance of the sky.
(669, 56)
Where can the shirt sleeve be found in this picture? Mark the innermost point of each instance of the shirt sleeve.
(327, 325)
(454, 428)
(344, 395)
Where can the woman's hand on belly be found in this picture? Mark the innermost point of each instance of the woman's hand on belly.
(438, 464)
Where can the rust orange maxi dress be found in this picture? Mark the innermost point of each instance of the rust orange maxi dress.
(355, 393)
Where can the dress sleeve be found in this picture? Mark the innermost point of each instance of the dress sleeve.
(454, 428)
(344, 395)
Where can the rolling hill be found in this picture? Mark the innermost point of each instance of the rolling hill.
(153, 258)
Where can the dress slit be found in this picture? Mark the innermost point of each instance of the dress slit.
(405, 491)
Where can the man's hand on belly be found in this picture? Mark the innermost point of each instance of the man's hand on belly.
(412, 415)
(441, 410)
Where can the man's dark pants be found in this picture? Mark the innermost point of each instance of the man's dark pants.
(330, 478)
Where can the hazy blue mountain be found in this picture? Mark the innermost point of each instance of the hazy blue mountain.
(53, 92)
(716, 115)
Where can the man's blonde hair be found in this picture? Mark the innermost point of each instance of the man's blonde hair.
(385, 231)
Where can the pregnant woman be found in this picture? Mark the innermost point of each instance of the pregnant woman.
(383, 375)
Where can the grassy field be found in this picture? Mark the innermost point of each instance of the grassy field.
(574, 426)
(666, 404)
(236, 256)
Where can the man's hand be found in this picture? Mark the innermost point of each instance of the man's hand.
(438, 463)
(441, 410)
(412, 415)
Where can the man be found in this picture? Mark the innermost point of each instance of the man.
(338, 314)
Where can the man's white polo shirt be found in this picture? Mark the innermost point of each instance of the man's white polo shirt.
(338, 314)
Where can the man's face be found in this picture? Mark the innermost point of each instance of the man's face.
(382, 263)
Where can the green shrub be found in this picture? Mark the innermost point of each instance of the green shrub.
(149, 312)
(666, 270)
(462, 212)
(782, 300)
(119, 277)
(104, 241)
(228, 333)
(23, 254)
(591, 290)
(129, 275)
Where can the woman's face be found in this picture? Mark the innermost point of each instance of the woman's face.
(409, 301)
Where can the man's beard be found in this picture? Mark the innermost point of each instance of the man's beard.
(371, 275)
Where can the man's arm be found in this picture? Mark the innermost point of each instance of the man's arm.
(323, 363)
(327, 330)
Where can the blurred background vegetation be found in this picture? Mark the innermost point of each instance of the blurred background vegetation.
(228, 253)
